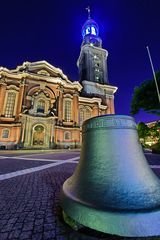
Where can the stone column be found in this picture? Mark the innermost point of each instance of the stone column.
(60, 105)
(3, 87)
(108, 103)
(75, 108)
(112, 105)
(23, 132)
(95, 111)
(20, 98)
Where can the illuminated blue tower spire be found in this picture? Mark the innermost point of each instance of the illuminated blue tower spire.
(90, 32)
(92, 62)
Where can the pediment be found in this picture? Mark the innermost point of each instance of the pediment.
(42, 68)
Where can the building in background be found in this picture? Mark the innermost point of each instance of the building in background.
(41, 108)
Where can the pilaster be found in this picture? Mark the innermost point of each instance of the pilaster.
(20, 98)
(108, 110)
(112, 106)
(60, 105)
(3, 87)
(95, 111)
(75, 108)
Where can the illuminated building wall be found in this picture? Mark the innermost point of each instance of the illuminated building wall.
(41, 108)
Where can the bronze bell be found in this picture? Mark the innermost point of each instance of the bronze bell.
(113, 189)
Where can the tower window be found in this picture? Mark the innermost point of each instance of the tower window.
(96, 64)
(93, 30)
(67, 111)
(10, 104)
(5, 133)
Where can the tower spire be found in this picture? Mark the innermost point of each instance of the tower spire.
(89, 12)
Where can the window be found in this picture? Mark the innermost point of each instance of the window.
(67, 111)
(40, 106)
(9, 111)
(5, 133)
(81, 116)
(87, 113)
(84, 114)
(67, 136)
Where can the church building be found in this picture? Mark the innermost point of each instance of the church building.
(41, 108)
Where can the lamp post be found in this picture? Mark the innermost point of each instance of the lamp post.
(154, 75)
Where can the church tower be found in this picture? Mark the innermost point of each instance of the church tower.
(92, 63)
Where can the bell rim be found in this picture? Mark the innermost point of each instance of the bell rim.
(128, 224)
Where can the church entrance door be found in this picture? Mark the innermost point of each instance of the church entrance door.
(38, 135)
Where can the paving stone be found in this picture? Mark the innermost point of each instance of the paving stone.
(48, 227)
(37, 236)
(17, 225)
(28, 226)
(2, 223)
(38, 229)
(12, 220)
(38, 222)
(49, 235)
(30, 206)
(14, 234)
(7, 227)
(49, 220)
(4, 236)
(62, 237)
(26, 235)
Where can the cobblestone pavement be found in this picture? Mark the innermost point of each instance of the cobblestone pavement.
(29, 204)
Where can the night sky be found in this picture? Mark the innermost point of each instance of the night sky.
(35, 30)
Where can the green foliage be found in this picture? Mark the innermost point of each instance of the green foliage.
(145, 97)
(143, 130)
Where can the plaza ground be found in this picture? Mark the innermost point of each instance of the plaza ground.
(30, 183)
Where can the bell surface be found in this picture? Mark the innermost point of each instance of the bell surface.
(113, 189)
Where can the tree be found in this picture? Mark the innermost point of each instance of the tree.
(145, 97)
(154, 133)
(143, 131)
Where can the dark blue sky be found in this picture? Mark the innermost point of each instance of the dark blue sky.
(33, 30)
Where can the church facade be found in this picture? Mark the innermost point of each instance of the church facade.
(41, 108)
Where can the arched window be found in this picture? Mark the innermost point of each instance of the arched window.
(67, 136)
(67, 111)
(9, 110)
(5, 133)
(41, 106)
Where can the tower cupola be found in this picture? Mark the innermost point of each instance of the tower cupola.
(91, 28)
(90, 32)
